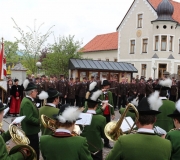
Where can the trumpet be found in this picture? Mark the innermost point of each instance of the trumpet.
(112, 129)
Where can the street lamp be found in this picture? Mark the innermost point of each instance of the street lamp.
(154, 68)
(38, 64)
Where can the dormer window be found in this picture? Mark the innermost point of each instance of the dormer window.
(139, 25)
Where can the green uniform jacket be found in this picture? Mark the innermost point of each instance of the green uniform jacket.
(129, 114)
(95, 132)
(66, 148)
(163, 121)
(48, 111)
(140, 147)
(4, 155)
(174, 137)
(110, 101)
(30, 124)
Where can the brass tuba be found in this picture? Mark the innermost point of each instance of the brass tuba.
(51, 124)
(112, 129)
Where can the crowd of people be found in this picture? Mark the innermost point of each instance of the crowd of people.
(63, 100)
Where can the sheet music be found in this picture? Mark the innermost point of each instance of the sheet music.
(127, 124)
(6, 111)
(86, 119)
(18, 120)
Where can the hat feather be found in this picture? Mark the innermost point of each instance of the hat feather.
(43, 95)
(92, 86)
(95, 95)
(178, 105)
(166, 83)
(70, 114)
(154, 101)
(135, 102)
(25, 83)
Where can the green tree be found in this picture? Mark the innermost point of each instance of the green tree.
(32, 42)
(11, 49)
(56, 62)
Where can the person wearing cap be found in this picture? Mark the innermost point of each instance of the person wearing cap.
(108, 112)
(31, 123)
(145, 144)
(141, 86)
(39, 89)
(62, 144)
(71, 91)
(19, 152)
(15, 93)
(166, 108)
(83, 88)
(62, 88)
(149, 87)
(122, 93)
(174, 134)
(50, 108)
(114, 85)
(95, 131)
(77, 83)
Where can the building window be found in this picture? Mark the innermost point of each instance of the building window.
(139, 21)
(143, 70)
(132, 47)
(115, 59)
(144, 45)
(107, 59)
(163, 43)
(156, 43)
(170, 43)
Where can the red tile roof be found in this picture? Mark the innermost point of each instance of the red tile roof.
(176, 15)
(102, 42)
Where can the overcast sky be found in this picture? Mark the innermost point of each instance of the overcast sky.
(83, 18)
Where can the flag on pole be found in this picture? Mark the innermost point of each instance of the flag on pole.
(4, 67)
(1, 60)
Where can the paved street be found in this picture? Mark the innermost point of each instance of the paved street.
(105, 150)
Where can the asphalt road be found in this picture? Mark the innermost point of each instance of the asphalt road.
(8, 120)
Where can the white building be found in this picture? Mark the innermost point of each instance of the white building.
(149, 37)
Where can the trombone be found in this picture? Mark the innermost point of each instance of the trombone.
(112, 129)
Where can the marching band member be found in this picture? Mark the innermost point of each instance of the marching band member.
(31, 123)
(145, 144)
(167, 107)
(50, 108)
(62, 145)
(95, 131)
(174, 135)
(108, 112)
(19, 152)
(71, 91)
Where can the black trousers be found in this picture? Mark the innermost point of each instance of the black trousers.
(62, 100)
(172, 98)
(108, 119)
(114, 100)
(97, 156)
(34, 143)
(141, 96)
(81, 101)
(77, 100)
(71, 102)
(123, 100)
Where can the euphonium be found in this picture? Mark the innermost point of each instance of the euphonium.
(51, 124)
(112, 129)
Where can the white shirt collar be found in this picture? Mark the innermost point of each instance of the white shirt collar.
(145, 130)
(30, 97)
(91, 111)
(63, 130)
(163, 97)
(51, 104)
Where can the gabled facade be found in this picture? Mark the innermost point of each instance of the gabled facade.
(149, 37)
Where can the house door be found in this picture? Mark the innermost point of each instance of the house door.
(162, 68)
